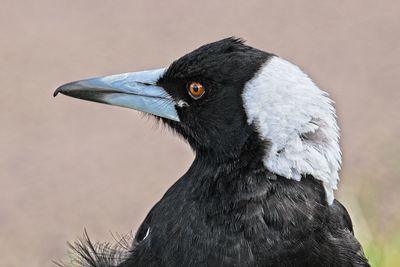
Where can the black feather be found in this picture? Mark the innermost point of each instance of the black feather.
(85, 253)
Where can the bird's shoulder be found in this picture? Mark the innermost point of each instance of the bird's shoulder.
(341, 237)
(339, 217)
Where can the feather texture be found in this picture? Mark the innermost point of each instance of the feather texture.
(299, 121)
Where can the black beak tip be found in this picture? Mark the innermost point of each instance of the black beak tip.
(56, 92)
(65, 88)
(61, 89)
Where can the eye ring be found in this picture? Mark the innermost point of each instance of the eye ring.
(196, 90)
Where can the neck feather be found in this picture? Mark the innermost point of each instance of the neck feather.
(298, 120)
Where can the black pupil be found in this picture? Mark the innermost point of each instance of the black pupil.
(195, 88)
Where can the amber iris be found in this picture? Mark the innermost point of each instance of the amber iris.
(196, 90)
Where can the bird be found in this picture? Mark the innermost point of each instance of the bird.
(260, 190)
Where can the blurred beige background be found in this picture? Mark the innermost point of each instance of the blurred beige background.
(67, 164)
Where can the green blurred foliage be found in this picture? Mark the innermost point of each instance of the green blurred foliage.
(385, 252)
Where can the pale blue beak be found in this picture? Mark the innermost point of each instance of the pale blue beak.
(135, 90)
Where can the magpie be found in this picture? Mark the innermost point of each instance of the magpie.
(260, 189)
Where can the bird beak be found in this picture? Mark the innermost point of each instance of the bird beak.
(135, 90)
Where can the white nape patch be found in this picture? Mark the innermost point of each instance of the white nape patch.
(298, 120)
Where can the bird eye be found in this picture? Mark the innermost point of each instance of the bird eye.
(196, 90)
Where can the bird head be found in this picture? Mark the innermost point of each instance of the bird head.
(222, 94)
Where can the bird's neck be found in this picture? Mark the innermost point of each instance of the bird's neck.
(247, 152)
(231, 173)
(242, 186)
